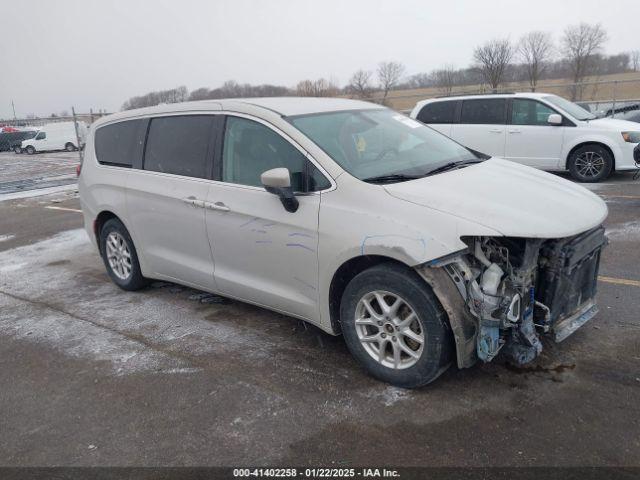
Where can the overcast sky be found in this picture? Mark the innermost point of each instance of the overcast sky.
(97, 54)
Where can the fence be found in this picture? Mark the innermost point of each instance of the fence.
(88, 118)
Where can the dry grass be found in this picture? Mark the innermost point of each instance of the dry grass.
(406, 99)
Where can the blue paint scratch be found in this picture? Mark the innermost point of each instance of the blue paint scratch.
(248, 222)
(300, 246)
(299, 234)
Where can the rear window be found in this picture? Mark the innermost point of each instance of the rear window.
(179, 145)
(438, 112)
(484, 111)
(120, 143)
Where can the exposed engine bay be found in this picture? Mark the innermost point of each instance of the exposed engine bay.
(515, 289)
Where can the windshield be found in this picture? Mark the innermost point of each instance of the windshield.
(381, 142)
(571, 108)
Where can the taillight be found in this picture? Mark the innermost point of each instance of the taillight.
(78, 169)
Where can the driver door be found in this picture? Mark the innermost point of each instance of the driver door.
(263, 253)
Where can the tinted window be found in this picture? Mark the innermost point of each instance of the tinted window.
(438, 112)
(41, 136)
(483, 110)
(529, 112)
(250, 149)
(179, 145)
(119, 143)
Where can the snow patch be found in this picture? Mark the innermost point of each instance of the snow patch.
(4, 238)
(626, 231)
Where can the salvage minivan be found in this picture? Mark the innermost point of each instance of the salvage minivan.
(352, 217)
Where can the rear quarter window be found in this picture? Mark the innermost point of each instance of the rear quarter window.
(438, 112)
(119, 144)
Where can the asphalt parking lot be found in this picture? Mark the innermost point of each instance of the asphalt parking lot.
(92, 375)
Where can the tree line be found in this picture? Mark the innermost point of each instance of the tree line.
(532, 58)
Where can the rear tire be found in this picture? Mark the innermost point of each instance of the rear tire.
(70, 147)
(407, 344)
(30, 150)
(590, 163)
(17, 149)
(120, 257)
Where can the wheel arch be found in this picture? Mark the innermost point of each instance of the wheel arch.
(593, 142)
(103, 217)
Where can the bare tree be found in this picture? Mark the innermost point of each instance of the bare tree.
(389, 74)
(445, 78)
(635, 60)
(535, 50)
(579, 44)
(493, 58)
(360, 83)
(318, 88)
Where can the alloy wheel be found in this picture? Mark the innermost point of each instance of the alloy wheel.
(589, 164)
(118, 255)
(389, 329)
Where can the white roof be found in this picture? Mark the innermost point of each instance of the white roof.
(284, 106)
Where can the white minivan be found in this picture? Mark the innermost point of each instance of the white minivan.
(536, 129)
(350, 216)
(56, 136)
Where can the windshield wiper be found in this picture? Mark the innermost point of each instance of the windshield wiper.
(394, 177)
(452, 165)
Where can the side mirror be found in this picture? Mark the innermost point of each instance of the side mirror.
(554, 119)
(278, 182)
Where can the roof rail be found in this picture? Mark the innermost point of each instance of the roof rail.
(468, 94)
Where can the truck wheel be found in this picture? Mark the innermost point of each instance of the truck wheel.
(120, 257)
(395, 327)
(17, 149)
(69, 147)
(30, 150)
(590, 163)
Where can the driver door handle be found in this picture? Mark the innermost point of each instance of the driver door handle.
(220, 206)
(515, 131)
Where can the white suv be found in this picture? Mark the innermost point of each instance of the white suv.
(536, 129)
(350, 216)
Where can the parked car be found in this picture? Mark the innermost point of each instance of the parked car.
(350, 216)
(535, 129)
(630, 113)
(13, 140)
(55, 136)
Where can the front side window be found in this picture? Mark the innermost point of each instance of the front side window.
(375, 143)
(529, 112)
(41, 136)
(180, 145)
(117, 144)
(438, 112)
(251, 149)
(487, 111)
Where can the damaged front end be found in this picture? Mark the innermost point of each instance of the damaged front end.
(511, 290)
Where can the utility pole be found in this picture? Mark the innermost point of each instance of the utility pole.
(75, 124)
(14, 110)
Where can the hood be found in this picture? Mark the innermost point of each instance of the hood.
(513, 199)
(615, 124)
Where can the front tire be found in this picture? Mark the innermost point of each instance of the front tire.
(70, 147)
(395, 327)
(590, 163)
(120, 257)
(31, 150)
